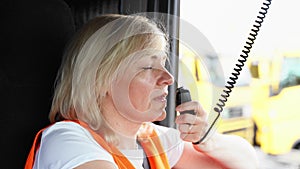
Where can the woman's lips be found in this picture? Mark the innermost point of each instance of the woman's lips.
(161, 98)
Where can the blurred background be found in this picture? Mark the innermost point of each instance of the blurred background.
(263, 106)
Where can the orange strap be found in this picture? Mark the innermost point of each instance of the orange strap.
(151, 146)
(153, 149)
(121, 161)
(30, 159)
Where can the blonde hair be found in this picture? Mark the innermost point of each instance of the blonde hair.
(92, 60)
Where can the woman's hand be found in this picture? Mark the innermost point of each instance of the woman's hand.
(226, 149)
(191, 127)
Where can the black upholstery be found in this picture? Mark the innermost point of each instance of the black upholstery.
(33, 34)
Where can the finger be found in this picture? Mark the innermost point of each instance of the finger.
(192, 105)
(185, 128)
(190, 137)
(196, 132)
(189, 119)
(190, 129)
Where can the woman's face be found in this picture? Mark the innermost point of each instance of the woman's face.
(150, 84)
(140, 94)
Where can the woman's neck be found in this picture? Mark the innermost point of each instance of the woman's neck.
(125, 130)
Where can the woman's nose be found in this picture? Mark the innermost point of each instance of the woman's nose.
(166, 78)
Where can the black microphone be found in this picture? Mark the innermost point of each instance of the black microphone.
(183, 95)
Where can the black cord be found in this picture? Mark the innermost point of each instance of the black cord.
(239, 66)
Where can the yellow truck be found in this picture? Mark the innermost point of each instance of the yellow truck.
(277, 97)
(206, 84)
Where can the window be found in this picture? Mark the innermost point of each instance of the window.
(290, 75)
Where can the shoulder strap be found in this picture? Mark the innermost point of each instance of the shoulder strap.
(151, 145)
(35, 146)
(153, 148)
(121, 161)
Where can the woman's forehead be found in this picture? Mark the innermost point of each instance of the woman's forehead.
(153, 57)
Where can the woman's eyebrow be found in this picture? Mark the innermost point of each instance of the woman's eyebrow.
(154, 57)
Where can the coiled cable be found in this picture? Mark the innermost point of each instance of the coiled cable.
(239, 66)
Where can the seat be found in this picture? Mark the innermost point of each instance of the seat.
(33, 35)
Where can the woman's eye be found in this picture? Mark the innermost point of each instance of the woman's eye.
(147, 68)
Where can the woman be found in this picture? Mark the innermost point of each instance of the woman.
(112, 84)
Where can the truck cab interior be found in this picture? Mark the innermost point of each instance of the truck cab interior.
(33, 36)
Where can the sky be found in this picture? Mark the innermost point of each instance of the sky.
(227, 24)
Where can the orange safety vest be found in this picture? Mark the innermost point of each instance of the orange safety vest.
(151, 145)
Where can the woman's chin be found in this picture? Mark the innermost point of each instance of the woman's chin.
(161, 117)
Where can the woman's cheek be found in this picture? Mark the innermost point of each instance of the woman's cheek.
(139, 94)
